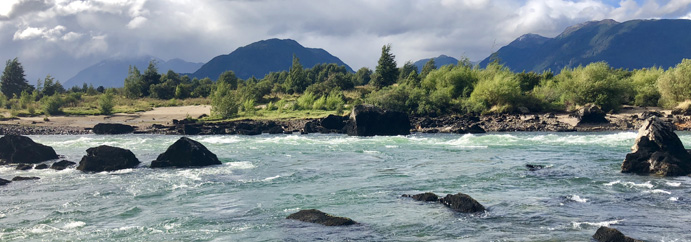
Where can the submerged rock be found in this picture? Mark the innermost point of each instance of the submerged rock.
(24, 167)
(107, 158)
(368, 120)
(424, 197)
(657, 150)
(605, 234)
(41, 166)
(112, 128)
(319, 217)
(532, 167)
(591, 114)
(4, 182)
(186, 153)
(61, 165)
(462, 203)
(22, 149)
(24, 178)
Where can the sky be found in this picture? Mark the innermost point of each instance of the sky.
(62, 37)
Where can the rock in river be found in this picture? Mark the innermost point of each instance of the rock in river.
(657, 150)
(368, 120)
(112, 128)
(319, 217)
(605, 234)
(25, 178)
(4, 182)
(186, 153)
(591, 114)
(61, 165)
(462, 203)
(107, 158)
(21, 149)
(424, 197)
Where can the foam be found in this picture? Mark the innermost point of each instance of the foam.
(577, 198)
(673, 184)
(657, 191)
(631, 184)
(582, 225)
(220, 140)
(74, 225)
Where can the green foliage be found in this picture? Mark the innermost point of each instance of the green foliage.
(52, 105)
(595, 83)
(429, 66)
(458, 81)
(497, 92)
(306, 101)
(335, 100)
(320, 103)
(224, 101)
(25, 99)
(362, 76)
(51, 87)
(297, 79)
(407, 70)
(386, 72)
(644, 83)
(105, 103)
(12, 81)
(229, 78)
(248, 107)
(133, 83)
(675, 84)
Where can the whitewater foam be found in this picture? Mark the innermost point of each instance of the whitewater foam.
(577, 198)
(631, 184)
(74, 225)
(584, 225)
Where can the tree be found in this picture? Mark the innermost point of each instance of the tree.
(386, 72)
(407, 69)
(229, 78)
(50, 86)
(150, 77)
(13, 79)
(105, 103)
(427, 68)
(224, 101)
(297, 78)
(133, 83)
(362, 76)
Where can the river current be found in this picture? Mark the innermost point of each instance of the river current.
(265, 178)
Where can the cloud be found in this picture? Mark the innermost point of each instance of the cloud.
(47, 34)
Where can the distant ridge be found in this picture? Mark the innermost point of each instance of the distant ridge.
(439, 61)
(630, 45)
(262, 57)
(112, 72)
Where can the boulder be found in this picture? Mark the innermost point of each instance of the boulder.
(605, 234)
(368, 120)
(657, 150)
(532, 167)
(107, 158)
(186, 153)
(24, 167)
(462, 203)
(591, 114)
(319, 217)
(4, 182)
(333, 122)
(424, 197)
(24, 178)
(21, 149)
(41, 167)
(111, 128)
(61, 165)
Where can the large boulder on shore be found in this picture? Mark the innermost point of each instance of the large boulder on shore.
(107, 158)
(319, 217)
(605, 234)
(22, 149)
(657, 150)
(368, 120)
(591, 114)
(462, 203)
(186, 153)
(111, 128)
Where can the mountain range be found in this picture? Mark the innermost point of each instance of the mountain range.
(632, 44)
(439, 61)
(112, 72)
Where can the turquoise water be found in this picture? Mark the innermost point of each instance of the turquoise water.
(265, 178)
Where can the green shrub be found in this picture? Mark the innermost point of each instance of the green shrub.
(497, 93)
(644, 83)
(248, 107)
(306, 101)
(335, 100)
(675, 84)
(595, 83)
(105, 103)
(320, 103)
(224, 102)
(52, 105)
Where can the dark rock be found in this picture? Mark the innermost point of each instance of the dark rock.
(424, 197)
(24, 167)
(534, 167)
(605, 234)
(462, 203)
(186, 153)
(21, 149)
(41, 167)
(475, 129)
(310, 127)
(368, 120)
(111, 128)
(591, 114)
(319, 217)
(61, 165)
(107, 158)
(249, 131)
(188, 129)
(4, 182)
(24, 178)
(657, 150)
(333, 122)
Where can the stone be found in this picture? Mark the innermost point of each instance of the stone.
(424, 197)
(24, 167)
(591, 114)
(462, 203)
(41, 167)
(319, 217)
(657, 150)
(532, 167)
(24, 178)
(4, 182)
(61, 165)
(368, 120)
(333, 122)
(186, 153)
(22, 149)
(107, 158)
(112, 128)
(605, 234)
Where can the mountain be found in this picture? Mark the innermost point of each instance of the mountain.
(630, 45)
(439, 61)
(260, 58)
(112, 72)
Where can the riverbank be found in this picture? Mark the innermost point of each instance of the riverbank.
(174, 120)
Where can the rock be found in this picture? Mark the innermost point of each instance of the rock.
(657, 150)
(319, 217)
(333, 122)
(368, 120)
(4, 182)
(605, 234)
(24, 167)
(61, 165)
(111, 128)
(41, 167)
(475, 129)
(424, 197)
(107, 158)
(186, 153)
(24, 178)
(462, 203)
(534, 167)
(21, 149)
(591, 114)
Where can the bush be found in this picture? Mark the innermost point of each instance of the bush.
(498, 93)
(248, 107)
(52, 105)
(306, 101)
(675, 84)
(644, 84)
(105, 103)
(224, 102)
(595, 83)
(319, 103)
(335, 100)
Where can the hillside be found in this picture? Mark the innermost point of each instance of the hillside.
(112, 72)
(439, 61)
(630, 45)
(260, 58)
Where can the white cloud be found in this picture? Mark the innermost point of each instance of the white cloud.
(136, 22)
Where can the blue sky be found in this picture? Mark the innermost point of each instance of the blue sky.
(61, 37)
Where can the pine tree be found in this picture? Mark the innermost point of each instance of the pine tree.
(386, 72)
(13, 79)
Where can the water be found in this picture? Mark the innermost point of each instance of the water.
(265, 178)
